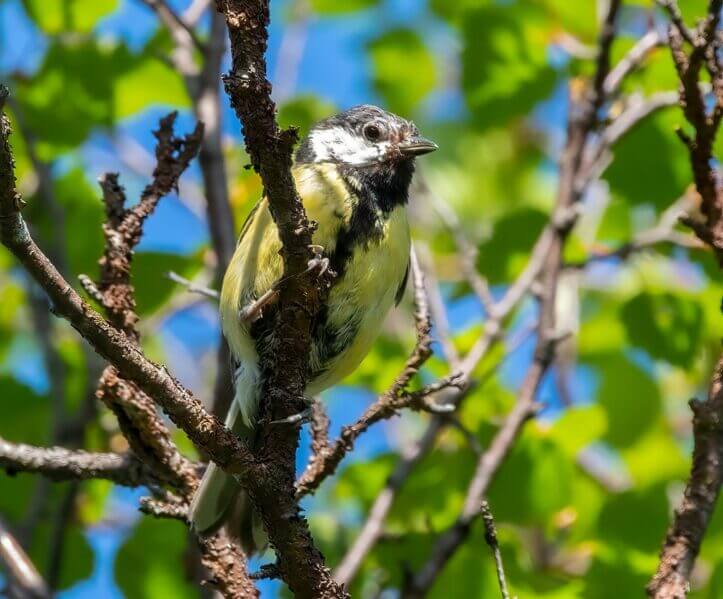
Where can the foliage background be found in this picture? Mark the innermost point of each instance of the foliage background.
(584, 499)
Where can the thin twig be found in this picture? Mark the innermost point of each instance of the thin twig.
(192, 287)
(491, 539)
(24, 580)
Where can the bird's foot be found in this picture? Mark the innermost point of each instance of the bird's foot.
(301, 418)
(318, 263)
(254, 310)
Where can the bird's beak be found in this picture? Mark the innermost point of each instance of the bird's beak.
(417, 145)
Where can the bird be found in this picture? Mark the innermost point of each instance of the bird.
(353, 173)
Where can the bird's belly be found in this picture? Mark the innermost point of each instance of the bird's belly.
(358, 304)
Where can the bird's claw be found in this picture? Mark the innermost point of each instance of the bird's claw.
(318, 263)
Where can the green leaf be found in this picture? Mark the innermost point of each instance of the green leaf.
(148, 82)
(456, 11)
(630, 397)
(334, 7)
(578, 427)
(77, 556)
(643, 458)
(636, 519)
(153, 289)
(83, 85)
(667, 326)
(505, 254)
(505, 71)
(402, 51)
(303, 111)
(59, 16)
(71, 93)
(26, 419)
(641, 176)
(150, 563)
(579, 18)
(616, 568)
(535, 462)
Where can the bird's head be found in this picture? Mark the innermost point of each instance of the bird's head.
(364, 137)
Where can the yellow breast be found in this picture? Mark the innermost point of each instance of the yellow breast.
(363, 294)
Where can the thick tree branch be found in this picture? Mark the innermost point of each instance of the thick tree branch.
(300, 563)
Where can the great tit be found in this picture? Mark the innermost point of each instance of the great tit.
(353, 173)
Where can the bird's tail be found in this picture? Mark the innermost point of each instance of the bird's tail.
(219, 499)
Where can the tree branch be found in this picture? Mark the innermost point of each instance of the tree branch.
(112, 344)
(58, 463)
(300, 563)
(25, 582)
(582, 122)
(691, 520)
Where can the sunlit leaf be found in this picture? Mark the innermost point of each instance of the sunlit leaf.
(140, 577)
(68, 15)
(667, 326)
(402, 51)
(630, 398)
(505, 71)
(333, 7)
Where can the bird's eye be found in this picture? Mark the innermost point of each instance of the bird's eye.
(372, 132)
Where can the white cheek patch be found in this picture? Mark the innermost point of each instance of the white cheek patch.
(339, 144)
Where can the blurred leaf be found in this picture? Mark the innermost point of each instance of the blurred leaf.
(616, 569)
(535, 462)
(630, 398)
(639, 175)
(26, 419)
(643, 459)
(152, 287)
(503, 256)
(667, 326)
(77, 556)
(450, 470)
(93, 499)
(505, 71)
(71, 93)
(579, 18)
(150, 563)
(334, 7)
(12, 298)
(59, 16)
(380, 366)
(304, 111)
(636, 519)
(83, 212)
(456, 10)
(82, 85)
(578, 427)
(361, 481)
(149, 81)
(402, 51)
